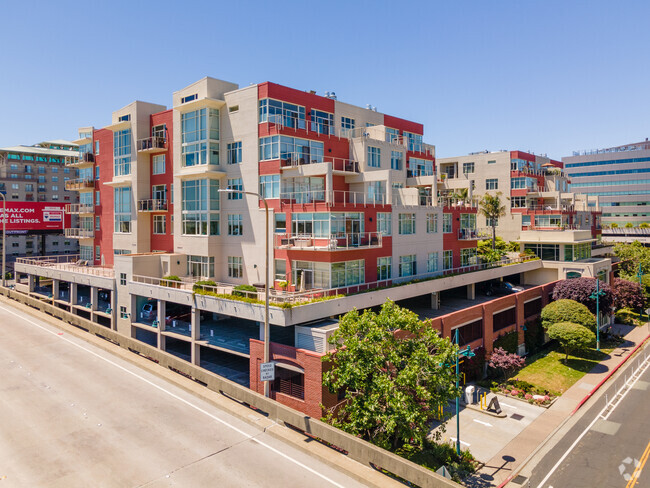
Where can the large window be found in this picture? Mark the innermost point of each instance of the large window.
(374, 157)
(200, 202)
(158, 164)
(407, 265)
(576, 252)
(235, 225)
(200, 266)
(322, 122)
(377, 192)
(406, 223)
(432, 223)
(347, 125)
(468, 221)
(432, 262)
(122, 152)
(392, 135)
(467, 256)
(419, 167)
(548, 220)
(517, 202)
(348, 273)
(384, 223)
(492, 184)
(280, 269)
(523, 183)
(384, 268)
(396, 160)
(235, 267)
(292, 149)
(270, 186)
(468, 168)
(122, 201)
(159, 224)
(235, 184)
(282, 113)
(198, 129)
(303, 189)
(448, 259)
(414, 141)
(549, 252)
(234, 152)
(446, 223)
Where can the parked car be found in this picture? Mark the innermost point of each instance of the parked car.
(149, 311)
(502, 288)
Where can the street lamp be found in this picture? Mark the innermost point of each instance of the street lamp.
(267, 354)
(640, 276)
(597, 294)
(468, 354)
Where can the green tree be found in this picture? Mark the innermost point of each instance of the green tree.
(567, 311)
(394, 382)
(491, 208)
(572, 337)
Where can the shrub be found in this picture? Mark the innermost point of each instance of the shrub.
(534, 335)
(571, 336)
(201, 284)
(473, 367)
(627, 294)
(244, 290)
(567, 311)
(580, 290)
(173, 281)
(505, 362)
(171, 278)
(508, 341)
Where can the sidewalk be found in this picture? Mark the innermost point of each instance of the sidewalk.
(508, 459)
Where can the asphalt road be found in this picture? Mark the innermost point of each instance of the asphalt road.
(605, 448)
(73, 415)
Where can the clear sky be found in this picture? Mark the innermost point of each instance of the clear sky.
(546, 76)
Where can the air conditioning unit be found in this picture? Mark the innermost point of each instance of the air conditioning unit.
(315, 337)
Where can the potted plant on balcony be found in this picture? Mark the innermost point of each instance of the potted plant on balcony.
(172, 281)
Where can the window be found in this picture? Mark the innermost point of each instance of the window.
(123, 279)
(235, 226)
(198, 129)
(468, 221)
(377, 192)
(159, 224)
(16, 186)
(96, 147)
(235, 268)
(468, 168)
(374, 157)
(347, 125)
(492, 161)
(407, 266)
(467, 256)
(348, 273)
(122, 153)
(200, 266)
(122, 200)
(446, 223)
(97, 223)
(300, 151)
(523, 183)
(396, 160)
(492, 222)
(28, 167)
(414, 141)
(200, 212)
(282, 113)
(158, 164)
(517, 202)
(55, 179)
(28, 187)
(67, 170)
(432, 262)
(492, 184)
(41, 170)
(392, 135)
(280, 270)
(234, 153)
(235, 184)
(96, 172)
(384, 223)
(280, 223)
(432, 223)
(448, 259)
(322, 122)
(384, 268)
(189, 98)
(406, 223)
(124, 118)
(419, 167)
(97, 198)
(233, 108)
(54, 188)
(270, 186)
(123, 314)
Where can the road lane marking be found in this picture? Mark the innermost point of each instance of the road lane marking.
(465, 443)
(639, 468)
(596, 418)
(507, 405)
(481, 422)
(173, 395)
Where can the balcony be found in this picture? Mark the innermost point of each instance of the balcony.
(545, 209)
(333, 242)
(468, 235)
(80, 184)
(152, 145)
(331, 198)
(85, 159)
(76, 233)
(152, 205)
(338, 165)
(79, 208)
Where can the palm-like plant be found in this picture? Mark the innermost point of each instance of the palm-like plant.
(491, 208)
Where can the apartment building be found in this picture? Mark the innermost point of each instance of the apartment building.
(170, 198)
(618, 177)
(33, 179)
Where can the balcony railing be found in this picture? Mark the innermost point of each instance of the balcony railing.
(79, 208)
(332, 197)
(468, 234)
(295, 160)
(546, 209)
(152, 144)
(83, 159)
(470, 204)
(76, 233)
(79, 184)
(333, 242)
(67, 262)
(152, 205)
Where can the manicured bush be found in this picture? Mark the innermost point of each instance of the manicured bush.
(572, 337)
(173, 281)
(171, 278)
(244, 290)
(627, 294)
(508, 341)
(581, 290)
(505, 362)
(567, 311)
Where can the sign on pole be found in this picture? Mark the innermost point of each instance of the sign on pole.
(267, 371)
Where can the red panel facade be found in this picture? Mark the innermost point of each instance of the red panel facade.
(104, 160)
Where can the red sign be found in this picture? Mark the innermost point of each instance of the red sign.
(35, 216)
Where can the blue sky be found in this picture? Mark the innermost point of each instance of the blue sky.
(546, 76)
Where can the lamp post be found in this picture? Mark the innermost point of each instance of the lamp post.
(597, 294)
(465, 353)
(639, 275)
(4, 239)
(267, 353)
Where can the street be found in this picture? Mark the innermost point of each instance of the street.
(75, 415)
(609, 445)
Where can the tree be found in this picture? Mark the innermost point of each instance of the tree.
(394, 382)
(505, 362)
(572, 337)
(567, 311)
(631, 256)
(644, 225)
(491, 208)
(627, 294)
(581, 290)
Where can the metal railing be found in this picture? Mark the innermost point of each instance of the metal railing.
(631, 231)
(150, 143)
(552, 227)
(76, 233)
(68, 262)
(85, 158)
(287, 387)
(547, 208)
(470, 204)
(468, 234)
(152, 205)
(294, 160)
(332, 197)
(79, 184)
(333, 242)
(79, 208)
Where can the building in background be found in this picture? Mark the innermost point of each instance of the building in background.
(33, 180)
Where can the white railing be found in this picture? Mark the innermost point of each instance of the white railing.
(294, 160)
(632, 231)
(152, 205)
(150, 143)
(333, 242)
(79, 208)
(68, 262)
(79, 183)
(77, 233)
(332, 197)
(468, 234)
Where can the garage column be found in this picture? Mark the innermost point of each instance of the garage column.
(55, 289)
(73, 294)
(435, 301)
(471, 291)
(161, 314)
(93, 298)
(31, 281)
(195, 333)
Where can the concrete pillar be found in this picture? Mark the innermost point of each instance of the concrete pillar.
(94, 298)
(31, 281)
(73, 294)
(435, 301)
(329, 186)
(161, 313)
(55, 289)
(471, 291)
(195, 334)
(261, 326)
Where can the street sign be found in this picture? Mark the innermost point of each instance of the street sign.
(267, 371)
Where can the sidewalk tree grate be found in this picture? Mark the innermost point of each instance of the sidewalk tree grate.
(519, 479)
(516, 416)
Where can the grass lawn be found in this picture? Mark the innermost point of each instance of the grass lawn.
(548, 370)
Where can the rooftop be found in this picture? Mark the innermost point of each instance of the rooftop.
(636, 146)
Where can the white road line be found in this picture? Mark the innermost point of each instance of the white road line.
(481, 422)
(465, 443)
(507, 405)
(596, 418)
(173, 395)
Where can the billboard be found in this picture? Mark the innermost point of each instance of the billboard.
(23, 217)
